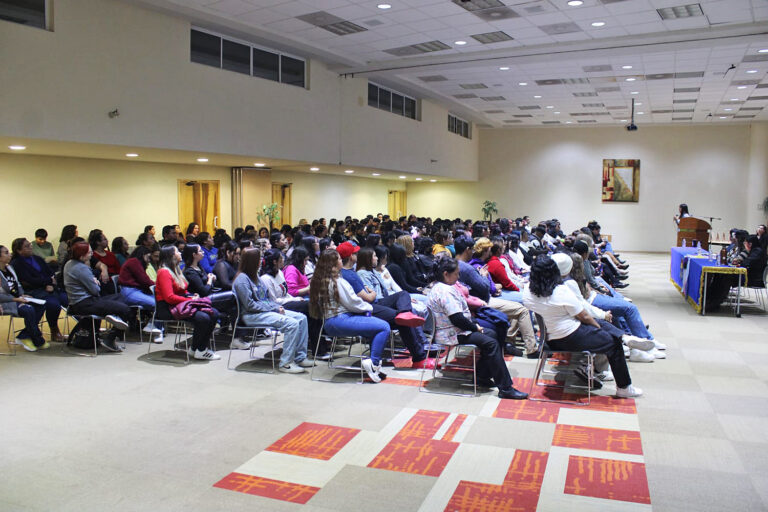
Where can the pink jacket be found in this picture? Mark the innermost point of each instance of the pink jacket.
(295, 280)
(472, 301)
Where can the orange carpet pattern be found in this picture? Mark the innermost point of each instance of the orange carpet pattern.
(267, 488)
(603, 439)
(607, 479)
(518, 493)
(314, 441)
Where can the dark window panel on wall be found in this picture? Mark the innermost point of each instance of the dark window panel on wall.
(292, 71)
(385, 100)
(206, 49)
(397, 104)
(373, 96)
(26, 12)
(410, 108)
(266, 65)
(236, 57)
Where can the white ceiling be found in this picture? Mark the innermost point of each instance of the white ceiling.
(680, 67)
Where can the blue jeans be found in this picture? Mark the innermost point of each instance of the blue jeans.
(623, 310)
(613, 291)
(135, 297)
(375, 329)
(513, 296)
(31, 313)
(293, 325)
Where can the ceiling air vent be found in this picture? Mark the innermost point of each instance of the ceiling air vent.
(680, 11)
(465, 96)
(492, 37)
(686, 89)
(433, 78)
(493, 98)
(473, 86)
(584, 94)
(597, 68)
(560, 28)
(331, 23)
(418, 49)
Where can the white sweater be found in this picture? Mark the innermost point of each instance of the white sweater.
(349, 302)
(593, 311)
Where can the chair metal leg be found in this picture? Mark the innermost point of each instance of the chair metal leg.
(446, 366)
(11, 346)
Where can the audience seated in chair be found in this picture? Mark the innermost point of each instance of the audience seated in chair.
(13, 301)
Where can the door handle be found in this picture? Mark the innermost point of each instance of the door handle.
(216, 222)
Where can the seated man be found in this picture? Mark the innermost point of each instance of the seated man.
(43, 248)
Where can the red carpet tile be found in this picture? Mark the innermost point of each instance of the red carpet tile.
(603, 439)
(448, 436)
(608, 479)
(267, 488)
(403, 382)
(314, 441)
(414, 451)
(527, 410)
(518, 493)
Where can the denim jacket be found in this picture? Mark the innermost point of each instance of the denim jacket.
(253, 296)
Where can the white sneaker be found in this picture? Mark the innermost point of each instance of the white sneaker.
(659, 346)
(629, 392)
(658, 354)
(306, 363)
(207, 355)
(159, 339)
(239, 344)
(151, 329)
(626, 351)
(117, 322)
(291, 368)
(605, 376)
(371, 370)
(640, 356)
(638, 343)
(627, 299)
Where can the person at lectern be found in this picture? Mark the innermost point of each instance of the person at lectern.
(683, 213)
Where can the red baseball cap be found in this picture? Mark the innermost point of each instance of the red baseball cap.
(347, 249)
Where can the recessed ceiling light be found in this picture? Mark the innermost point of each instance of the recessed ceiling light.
(460, 43)
(314, 168)
(640, 113)
(568, 122)
(418, 179)
(259, 164)
(349, 171)
(202, 160)
(727, 109)
(401, 177)
(764, 50)
(557, 112)
(575, 3)
(522, 83)
(723, 117)
(550, 106)
(742, 87)
(634, 92)
(375, 174)
(598, 23)
(751, 71)
(638, 104)
(623, 121)
(384, 6)
(504, 68)
(537, 97)
(132, 155)
(734, 99)
(433, 181)
(626, 67)
(17, 148)
(630, 79)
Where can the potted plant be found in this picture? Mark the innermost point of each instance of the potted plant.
(269, 215)
(489, 208)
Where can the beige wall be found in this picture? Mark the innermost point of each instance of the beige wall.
(757, 184)
(322, 195)
(549, 173)
(118, 197)
(107, 54)
(257, 191)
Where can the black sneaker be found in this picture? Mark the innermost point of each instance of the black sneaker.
(512, 394)
(109, 344)
(621, 285)
(382, 375)
(511, 350)
(582, 375)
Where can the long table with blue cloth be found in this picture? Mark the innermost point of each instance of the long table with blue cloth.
(693, 271)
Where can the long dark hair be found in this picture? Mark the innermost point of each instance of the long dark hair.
(397, 254)
(322, 288)
(444, 265)
(684, 209)
(139, 254)
(271, 262)
(578, 275)
(382, 253)
(545, 276)
(297, 258)
(68, 233)
(365, 258)
(117, 246)
(250, 261)
(188, 254)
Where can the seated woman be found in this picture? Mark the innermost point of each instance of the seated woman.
(312, 245)
(570, 327)
(193, 230)
(68, 232)
(754, 261)
(295, 279)
(332, 298)
(136, 286)
(204, 285)
(256, 308)
(14, 302)
(38, 281)
(263, 233)
(154, 262)
(171, 290)
(454, 325)
(442, 240)
(85, 297)
(481, 254)
(413, 274)
(388, 283)
(500, 273)
(396, 266)
(120, 249)
(101, 254)
(226, 265)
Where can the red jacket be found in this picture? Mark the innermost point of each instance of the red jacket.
(110, 260)
(132, 274)
(168, 290)
(499, 274)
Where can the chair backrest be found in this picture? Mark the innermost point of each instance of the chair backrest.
(542, 328)
(765, 277)
(114, 283)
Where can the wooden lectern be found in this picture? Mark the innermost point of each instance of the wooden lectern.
(691, 230)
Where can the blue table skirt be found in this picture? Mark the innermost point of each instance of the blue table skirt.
(692, 285)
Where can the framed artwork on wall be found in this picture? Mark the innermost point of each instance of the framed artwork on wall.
(621, 181)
